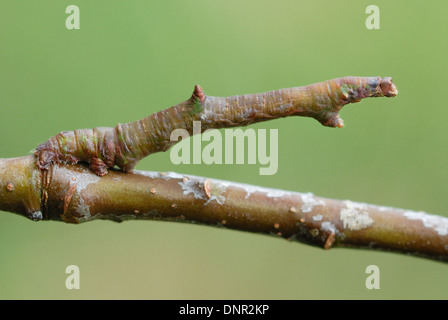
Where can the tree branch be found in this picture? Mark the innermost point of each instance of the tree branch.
(74, 194)
(51, 186)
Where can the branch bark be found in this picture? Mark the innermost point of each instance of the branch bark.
(51, 186)
(74, 194)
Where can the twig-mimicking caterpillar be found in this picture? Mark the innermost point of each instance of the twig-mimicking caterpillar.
(124, 145)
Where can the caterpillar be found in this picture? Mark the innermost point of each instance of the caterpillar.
(125, 144)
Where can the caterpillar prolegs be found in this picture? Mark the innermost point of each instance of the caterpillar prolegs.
(124, 145)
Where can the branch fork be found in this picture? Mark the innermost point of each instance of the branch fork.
(71, 177)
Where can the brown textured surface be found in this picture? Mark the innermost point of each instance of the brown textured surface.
(74, 194)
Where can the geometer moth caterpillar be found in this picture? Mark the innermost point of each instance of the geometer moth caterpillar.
(124, 145)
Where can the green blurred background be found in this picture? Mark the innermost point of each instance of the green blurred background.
(132, 58)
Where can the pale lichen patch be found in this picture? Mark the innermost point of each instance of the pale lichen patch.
(250, 189)
(192, 186)
(204, 189)
(317, 217)
(438, 224)
(172, 175)
(277, 193)
(328, 227)
(163, 175)
(384, 208)
(309, 202)
(82, 179)
(84, 211)
(214, 192)
(353, 217)
(3, 165)
(149, 174)
(79, 181)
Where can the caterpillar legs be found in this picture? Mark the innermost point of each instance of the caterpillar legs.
(98, 166)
